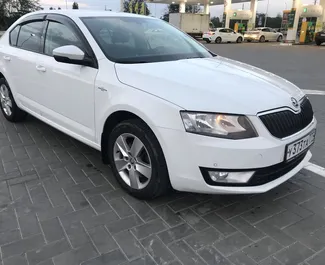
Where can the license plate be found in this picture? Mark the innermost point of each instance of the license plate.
(323, 35)
(296, 148)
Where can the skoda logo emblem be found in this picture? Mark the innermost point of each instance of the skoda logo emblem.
(294, 102)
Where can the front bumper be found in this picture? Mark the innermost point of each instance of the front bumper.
(187, 154)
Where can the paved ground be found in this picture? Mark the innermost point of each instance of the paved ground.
(59, 205)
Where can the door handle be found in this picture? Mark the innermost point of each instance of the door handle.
(40, 68)
(7, 58)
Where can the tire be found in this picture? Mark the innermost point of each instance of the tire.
(262, 39)
(249, 40)
(208, 41)
(218, 40)
(239, 40)
(8, 105)
(279, 39)
(318, 43)
(151, 154)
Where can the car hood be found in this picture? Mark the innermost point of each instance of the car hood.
(213, 84)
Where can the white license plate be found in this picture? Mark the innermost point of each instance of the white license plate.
(323, 35)
(300, 146)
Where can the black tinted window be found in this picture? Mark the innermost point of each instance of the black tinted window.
(266, 30)
(14, 36)
(58, 35)
(223, 30)
(30, 36)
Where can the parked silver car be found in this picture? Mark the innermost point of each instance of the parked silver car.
(263, 34)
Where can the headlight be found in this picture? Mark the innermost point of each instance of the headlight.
(218, 125)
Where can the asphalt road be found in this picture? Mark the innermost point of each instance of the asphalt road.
(302, 65)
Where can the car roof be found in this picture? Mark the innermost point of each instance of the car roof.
(73, 13)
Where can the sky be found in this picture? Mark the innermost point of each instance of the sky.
(275, 6)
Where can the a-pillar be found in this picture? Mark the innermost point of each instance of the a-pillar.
(252, 21)
(292, 32)
(182, 7)
(227, 8)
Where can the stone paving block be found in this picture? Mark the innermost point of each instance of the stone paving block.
(157, 250)
(8, 220)
(169, 216)
(207, 207)
(99, 204)
(114, 257)
(51, 250)
(240, 258)
(9, 236)
(294, 254)
(22, 246)
(52, 212)
(146, 260)
(16, 260)
(185, 254)
(195, 221)
(262, 249)
(149, 228)
(183, 203)
(124, 224)
(213, 257)
(121, 207)
(97, 190)
(102, 219)
(317, 259)
(249, 230)
(232, 244)
(77, 216)
(130, 246)
(52, 230)
(103, 241)
(284, 219)
(270, 261)
(29, 225)
(143, 210)
(220, 224)
(203, 238)
(77, 234)
(175, 233)
(76, 256)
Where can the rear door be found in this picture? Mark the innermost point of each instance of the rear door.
(21, 60)
(232, 35)
(266, 33)
(224, 35)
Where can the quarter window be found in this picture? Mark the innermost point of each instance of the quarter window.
(58, 35)
(30, 36)
(14, 36)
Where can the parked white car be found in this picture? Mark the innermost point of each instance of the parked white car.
(263, 34)
(150, 108)
(220, 35)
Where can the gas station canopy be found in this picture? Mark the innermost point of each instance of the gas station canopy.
(201, 2)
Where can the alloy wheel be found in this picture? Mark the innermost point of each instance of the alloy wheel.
(132, 161)
(6, 103)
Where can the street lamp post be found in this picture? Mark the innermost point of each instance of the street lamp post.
(266, 14)
(66, 4)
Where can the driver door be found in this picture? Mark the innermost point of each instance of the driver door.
(67, 90)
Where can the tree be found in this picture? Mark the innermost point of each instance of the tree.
(174, 8)
(136, 7)
(52, 8)
(59, 8)
(75, 5)
(11, 10)
(216, 22)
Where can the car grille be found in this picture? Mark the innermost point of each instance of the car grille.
(285, 123)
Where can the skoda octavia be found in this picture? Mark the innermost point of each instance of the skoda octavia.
(140, 91)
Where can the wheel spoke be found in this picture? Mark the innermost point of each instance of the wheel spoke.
(122, 146)
(136, 147)
(9, 103)
(134, 179)
(145, 170)
(8, 109)
(120, 164)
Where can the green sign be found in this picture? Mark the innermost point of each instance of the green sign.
(235, 14)
(291, 18)
(305, 10)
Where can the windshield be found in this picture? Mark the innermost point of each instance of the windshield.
(142, 40)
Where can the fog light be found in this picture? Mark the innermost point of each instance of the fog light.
(230, 177)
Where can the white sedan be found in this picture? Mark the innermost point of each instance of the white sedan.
(149, 107)
(263, 34)
(220, 35)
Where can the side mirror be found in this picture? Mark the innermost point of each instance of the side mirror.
(71, 54)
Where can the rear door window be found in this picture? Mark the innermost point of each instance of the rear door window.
(30, 36)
